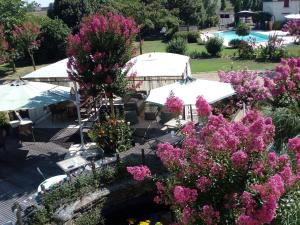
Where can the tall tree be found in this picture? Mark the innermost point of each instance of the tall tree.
(223, 4)
(12, 13)
(25, 37)
(98, 54)
(70, 11)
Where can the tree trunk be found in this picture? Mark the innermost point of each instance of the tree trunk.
(141, 47)
(13, 65)
(112, 108)
(32, 59)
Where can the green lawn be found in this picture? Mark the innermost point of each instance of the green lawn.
(202, 65)
(215, 64)
(6, 72)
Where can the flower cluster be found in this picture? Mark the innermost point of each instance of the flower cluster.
(174, 104)
(203, 108)
(248, 87)
(226, 173)
(139, 172)
(293, 27)
(100, 50)
(285, 85)
(25, 36)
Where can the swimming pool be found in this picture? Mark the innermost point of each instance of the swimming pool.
(229, 35)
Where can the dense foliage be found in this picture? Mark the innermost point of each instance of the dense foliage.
(69, 11)
(246, 49)
(293, 27)
(272, 51)
(190, 36)
(53, 36)
(26, 39)
(254, 5)
(284, 85)
(177, 45)
(112, 135)
(214, 46)
(242, 29)
(225, 174)
(98, 53)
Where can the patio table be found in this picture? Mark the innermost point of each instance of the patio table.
(50, 182)
(170, 138)
(71, 164)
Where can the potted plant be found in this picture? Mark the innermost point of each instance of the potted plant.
(112, 135)
(4, 128)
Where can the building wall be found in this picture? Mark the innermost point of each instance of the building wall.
(277, 9)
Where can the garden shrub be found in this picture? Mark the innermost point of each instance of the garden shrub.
(91, 217)
(199, 54)
(112, 135)
(225, 175)
(246, 50)
(242, 29)
(277, 25)
(293, 27)
(177, 45)
(190, 36)
(284, 85)
(235, 43)
(53, 36)
(273, 51)
(214, 46)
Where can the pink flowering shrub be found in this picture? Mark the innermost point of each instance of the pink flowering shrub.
(99, 51)
(225, 174)
(203, 108)
(285, 85)
(26, 39)
(139, 172)
(249, 91)
(293, 27)
(174, 104)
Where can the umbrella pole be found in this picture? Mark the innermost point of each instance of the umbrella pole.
(79, 116)
(191, 111)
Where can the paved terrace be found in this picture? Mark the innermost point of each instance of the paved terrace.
(19, 177)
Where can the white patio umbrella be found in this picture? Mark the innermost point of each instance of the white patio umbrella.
(188, 91)
(54, 70)
(59, 70)
(293, 16)
(22, 94)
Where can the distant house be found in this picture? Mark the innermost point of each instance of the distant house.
(226, 18)
(281, 8)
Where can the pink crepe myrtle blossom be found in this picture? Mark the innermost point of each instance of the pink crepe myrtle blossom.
(285, 85)
(232, 157)
(139, 172)
(184, 195)
(293, 27)
(174, 104)
(294, 145)
(203, 108)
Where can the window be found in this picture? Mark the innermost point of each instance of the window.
(286, 3)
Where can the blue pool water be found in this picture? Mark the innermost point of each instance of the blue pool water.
(229, 35)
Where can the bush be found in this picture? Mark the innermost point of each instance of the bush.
(190, 36)
(177, 45)
(198, 55)
(246, 50)
(235, 43)
(273, 51)
(214, 46)
(92, 217)
(53, 36)
(242, 29)
(3, 119)
(277, 25)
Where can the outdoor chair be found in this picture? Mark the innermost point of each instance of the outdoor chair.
(132, 117)
(166, 116)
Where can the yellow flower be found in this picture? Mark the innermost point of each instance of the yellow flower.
(147, 222)
(158, 223)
